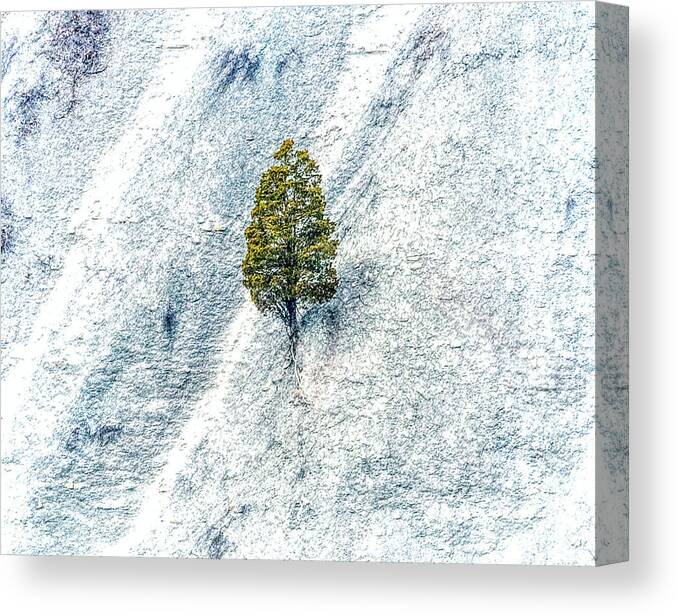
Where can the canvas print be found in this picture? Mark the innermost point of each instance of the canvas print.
(338, 282)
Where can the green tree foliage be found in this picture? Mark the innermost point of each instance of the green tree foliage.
(290, 250)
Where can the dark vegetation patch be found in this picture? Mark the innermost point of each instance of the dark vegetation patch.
(5, 239)
(474, 61)
(232, 65)
(27, 110)
(424, 46)
(6, 227)
(570, 206)
(178, 305)
(76, 47)
(169, 323)
(432, 40)
(287, 61)
(83, 435)
(216, 544)
(384, 110)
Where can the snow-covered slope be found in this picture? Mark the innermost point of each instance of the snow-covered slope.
(146, 405)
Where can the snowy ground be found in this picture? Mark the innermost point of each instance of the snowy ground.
(146, 408)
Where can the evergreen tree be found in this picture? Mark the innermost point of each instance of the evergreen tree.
(290, 250)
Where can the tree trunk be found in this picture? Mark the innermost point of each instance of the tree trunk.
(293, 335)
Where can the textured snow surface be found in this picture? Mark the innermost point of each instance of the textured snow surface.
(450, 384)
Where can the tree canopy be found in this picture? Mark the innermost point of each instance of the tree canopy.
(289, 263)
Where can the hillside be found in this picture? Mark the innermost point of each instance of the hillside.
(146, 405)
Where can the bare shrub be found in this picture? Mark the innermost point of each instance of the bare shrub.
(76, 44)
